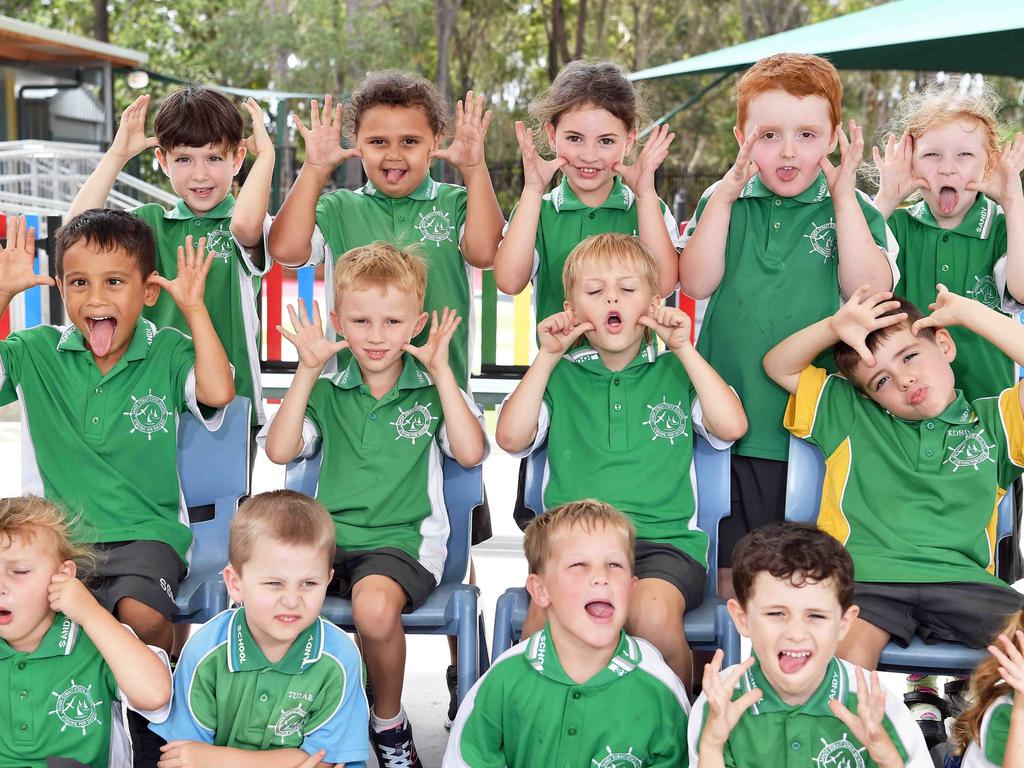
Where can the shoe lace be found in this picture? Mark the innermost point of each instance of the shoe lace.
(397, 757)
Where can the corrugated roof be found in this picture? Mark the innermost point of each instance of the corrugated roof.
(21, 41)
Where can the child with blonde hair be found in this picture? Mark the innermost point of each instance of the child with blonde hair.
(966, 228)
(69, 666)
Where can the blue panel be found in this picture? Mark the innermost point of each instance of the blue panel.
(306, 277)
(34, 296)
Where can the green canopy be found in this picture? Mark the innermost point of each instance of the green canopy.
(931, 35)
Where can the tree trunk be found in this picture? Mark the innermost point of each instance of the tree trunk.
(558, 43)
(446, 13)
(102, 20)
(581, 28)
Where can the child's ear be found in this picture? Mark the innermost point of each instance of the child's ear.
(420, 322)
(946, 344)
(68, 568)
(846, 621)
(568, 310)
(738, 134)
(162, 159)
(538, 592)
(232, 581)
(336, 322)
(630, 141)
(739, 616)
(236, 163)
(834, 140)
(152, 290)
(549, 131)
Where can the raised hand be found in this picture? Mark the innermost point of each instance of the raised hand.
(189, 287)
(640, 176)
(861, 315)
(260, 140)
(130, 139)
(844, 176)
(896, 180)
(670, 323)
(323, 137)
(69, 596)
(1002, 183)
(16, 259)
(559, 332)
(742, 171)
(466, 150)
(948, 309)
(1011, 659)
(308, 338)
(434, 352)
(866, 725)
(723, 712)
(537, 172)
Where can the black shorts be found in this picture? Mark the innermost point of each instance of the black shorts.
(953, 612)
(655, 560)
(147, 571)
(758, 498)
(350, 567)
(480, 525)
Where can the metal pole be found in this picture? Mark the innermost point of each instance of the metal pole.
(686, 104)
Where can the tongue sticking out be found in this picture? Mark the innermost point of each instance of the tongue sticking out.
(948, 198)
(394, 175)
(790, 664)
(101, 333)
(600, 610)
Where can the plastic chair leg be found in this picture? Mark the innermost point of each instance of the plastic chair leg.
(466, 607)
(503, 625)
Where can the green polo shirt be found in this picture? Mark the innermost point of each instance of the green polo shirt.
(226, 693)
(231, 287)
(989, 749)
(106, 446)
(626, 437)
(565, 222)
(61, 700)
(970, 260)
(773, 733)
(781, 275)
(381, 476)
(912, 501)
(432, 218)
(526, 712)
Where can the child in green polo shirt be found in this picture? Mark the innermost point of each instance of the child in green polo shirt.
(100, 400)
(199, 145)
(580, 691)
(775, 244)
(989, 733)
(967, 230)
(793, 703)
(395, 121)
(383, 422)
(270, 676)
(590, 117)
(67, 667)
(619, 421)
(914, 472)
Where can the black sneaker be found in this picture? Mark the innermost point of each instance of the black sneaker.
(452, 678)
(394, 747)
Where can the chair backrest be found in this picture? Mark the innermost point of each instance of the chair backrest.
(213, 468)
(713, 494)
(806, 476)
(463, 492)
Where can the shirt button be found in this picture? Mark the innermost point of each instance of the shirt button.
(618, 406)
(576, 694)
(23, 694)
(21, 665)
(776, 226)
(945, 267)
(930, 425)
(778, 202)
(400, 218)
(99, 390)
(373, 416)
(615, 382)
(197, 222)
(593, 215)
(22, 727)
(795, 745)
(95, 419)
(929, 452)
(571, 731)
(264, 698)
(945, 238)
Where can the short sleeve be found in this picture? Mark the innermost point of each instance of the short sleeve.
(671, 226)
(254, 260)
(1011, 424)
(442, 433)
(328, 232)
(543, 425)
(12, 351)
(194, 699)
(822, 408)
(697, 414)
(881, 234)
(154, 715)
(339, 716)
(461, 202)
(476, 738)
(691, 225)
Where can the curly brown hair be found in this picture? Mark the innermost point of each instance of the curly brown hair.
(392, 88)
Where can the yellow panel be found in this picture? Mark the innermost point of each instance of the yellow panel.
(522, 318)
(837, 471)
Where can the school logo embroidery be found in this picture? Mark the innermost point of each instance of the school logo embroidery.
(823, 239)
(218, 242)
(289, 722)
(76, 707)
(973, 451)
(984, 290)
(840, 754)
(666, 420)
(435, 227)
(148, 414)
(413, 423)
(618, 760)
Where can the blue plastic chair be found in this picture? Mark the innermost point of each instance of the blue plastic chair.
(708, 626)
(214, 471)
(451, 609)
(804, 481)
